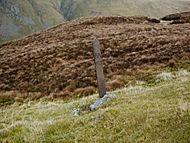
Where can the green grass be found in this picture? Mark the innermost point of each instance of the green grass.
(137, 114)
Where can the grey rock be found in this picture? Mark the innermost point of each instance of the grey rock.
(75, 112)
(101, 101)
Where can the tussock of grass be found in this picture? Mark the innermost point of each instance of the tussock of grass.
(138, 114)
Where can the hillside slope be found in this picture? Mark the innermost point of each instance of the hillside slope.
(22, 17)
(60, 59)
(151, 8)
(137, 114)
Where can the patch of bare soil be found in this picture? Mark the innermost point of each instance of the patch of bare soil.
(60, 59)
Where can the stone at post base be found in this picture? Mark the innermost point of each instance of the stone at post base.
(101, 101)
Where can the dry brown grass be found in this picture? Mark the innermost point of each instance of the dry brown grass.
(60, 59)
(80, 92)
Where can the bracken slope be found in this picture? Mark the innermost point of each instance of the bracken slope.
(60, 58)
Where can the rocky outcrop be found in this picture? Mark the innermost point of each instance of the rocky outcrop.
(178, 18)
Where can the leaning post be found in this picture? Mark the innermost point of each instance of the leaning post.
(99, 68)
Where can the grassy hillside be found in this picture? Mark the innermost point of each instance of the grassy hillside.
(138, 113)
(22, 17)
(150, 8)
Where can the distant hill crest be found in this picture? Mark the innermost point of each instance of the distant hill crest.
(23, 17)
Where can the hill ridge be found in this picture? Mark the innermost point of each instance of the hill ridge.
(20, 18)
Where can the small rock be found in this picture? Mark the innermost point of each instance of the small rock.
(101, 101)
(154, 20)
(75, 112)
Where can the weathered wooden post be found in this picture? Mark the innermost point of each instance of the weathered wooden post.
(99, 68)
(100, 78)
